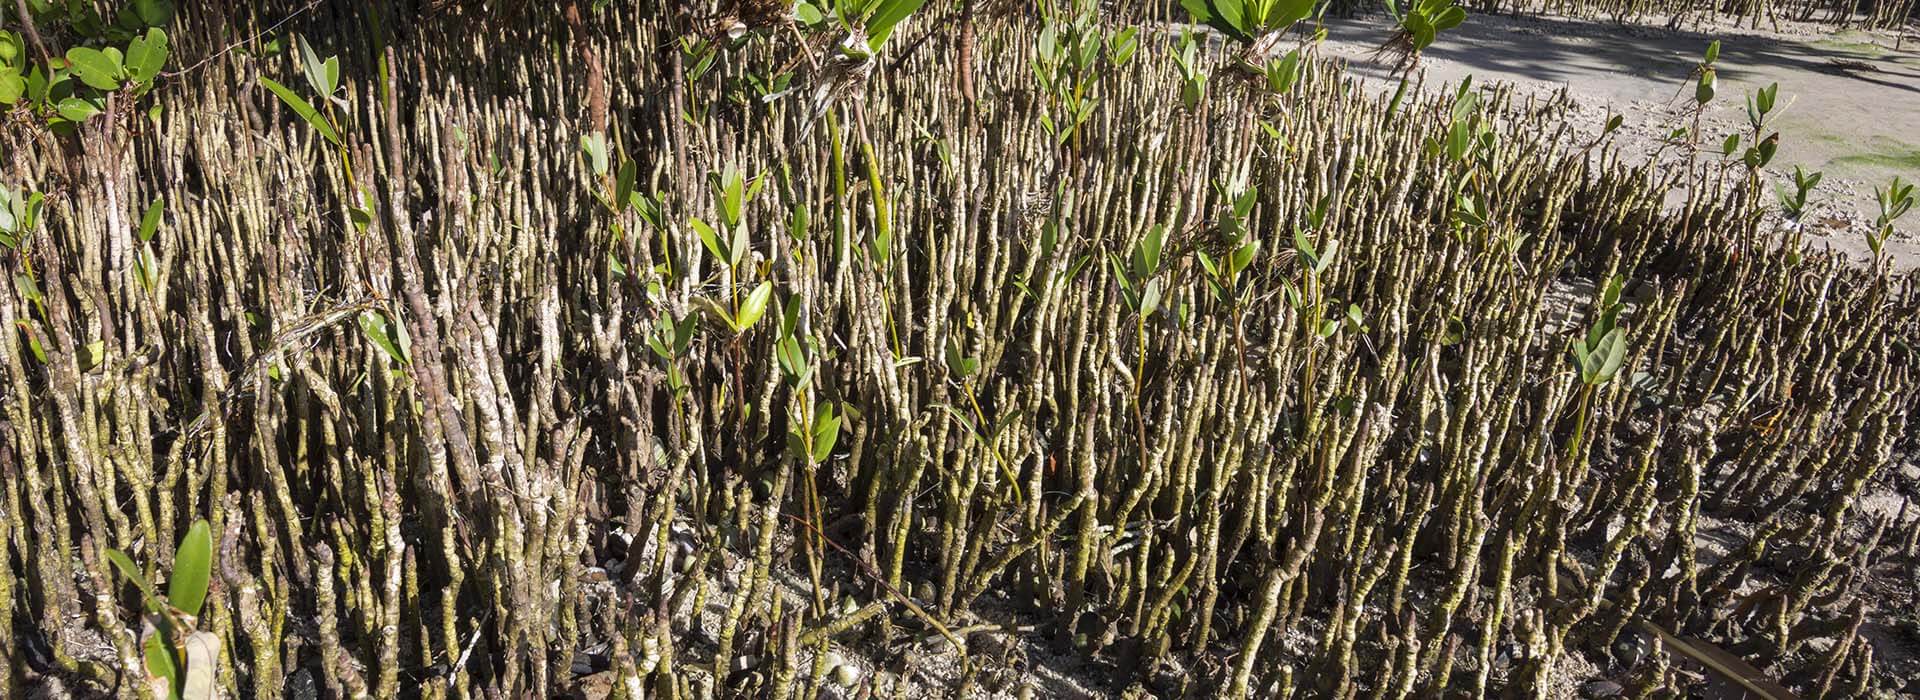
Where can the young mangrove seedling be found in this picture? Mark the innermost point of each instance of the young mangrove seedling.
(1895, 200)
(180, 660)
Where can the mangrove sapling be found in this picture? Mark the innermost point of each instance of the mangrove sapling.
(179, 660)
(1193, 80)
(1470, 145)
(1417, 28)
(1067, 66)
(1312, 307)
(1797, 205)
(323, 76)
(1140, 289)
(812, 431)
(1282, 73)
(1760, 111)
(1607, 129)
(1895, 200)
(726, 239)
(1597, 356)
(19, 218)
(1795, 208)
(1705, 82)
(1258, 25)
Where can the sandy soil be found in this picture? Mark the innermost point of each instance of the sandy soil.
(1852, 100)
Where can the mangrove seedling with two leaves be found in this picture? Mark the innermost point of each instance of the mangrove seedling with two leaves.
(618, 196)
(796, 350)
(812, 439)
(180, 660)
(744, 312)
(1316, 311)
(387, 335)
(1139, 285)
(1193, 80)
(670, 340)
(1282, 73)
(1470, 144)
(146, 268)
(1705, 86)
(1599, 354)
(324, 77)
(1309, 296)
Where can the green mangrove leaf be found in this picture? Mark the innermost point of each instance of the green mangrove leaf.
(77, 110)
(1227, 16)
(826, 431)
(132, 572)
(792, 359)
(150, 221)
(753, 308)
(146, 267)
(738, 248)
(313, 68)
(192, 568)
(147, 55)
(153, 13)
(382, 331)
(595, 146)
(623, 184)
(160, 664)
(888, 15)
(304, 109)
(96, 68)
(709, 239)
(1704, 90)
(1327, 256)
(1612, 352)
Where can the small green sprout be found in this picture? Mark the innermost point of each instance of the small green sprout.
(1794, 206)
(1599, 354)
(1895, 200)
